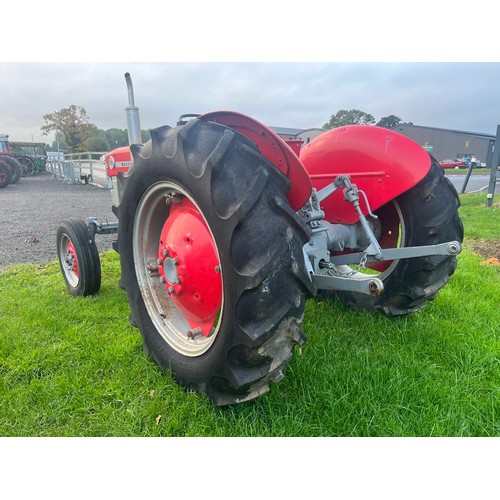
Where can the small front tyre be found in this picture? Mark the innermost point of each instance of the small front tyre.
(78, 257)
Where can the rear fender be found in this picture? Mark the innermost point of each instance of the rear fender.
(381, 162)
(272, 147)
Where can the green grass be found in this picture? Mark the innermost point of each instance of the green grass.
(462, 171)
(479, 221)
(75, 367)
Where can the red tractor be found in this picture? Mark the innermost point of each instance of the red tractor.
(224, 232)
(10, 168)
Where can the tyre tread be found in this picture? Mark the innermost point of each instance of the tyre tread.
(245, 193)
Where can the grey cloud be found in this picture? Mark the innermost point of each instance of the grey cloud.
(462, 96)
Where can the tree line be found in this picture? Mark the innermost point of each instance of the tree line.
(345, 117)
(77, 134)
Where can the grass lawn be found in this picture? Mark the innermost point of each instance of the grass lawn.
(75, 367)
(462, 171)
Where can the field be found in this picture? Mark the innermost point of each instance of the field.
(75, 367)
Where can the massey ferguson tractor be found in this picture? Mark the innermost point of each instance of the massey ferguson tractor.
(224, 231)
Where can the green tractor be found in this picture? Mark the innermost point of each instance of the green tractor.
(31, 155)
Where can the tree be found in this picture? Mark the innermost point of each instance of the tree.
(98, 141)
(349, 117)
(73, 123)
(389, 121)
(117, 137)
(62, 144)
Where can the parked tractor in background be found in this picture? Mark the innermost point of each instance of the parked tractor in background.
(224, 232)
(31, 155)
(10, 168)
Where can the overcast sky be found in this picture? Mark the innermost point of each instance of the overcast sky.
(453, 94)
(463, 96)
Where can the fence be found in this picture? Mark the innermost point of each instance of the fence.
(77, 167)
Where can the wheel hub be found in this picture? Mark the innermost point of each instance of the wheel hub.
(71, 259)
(170, 270)
(189, 267)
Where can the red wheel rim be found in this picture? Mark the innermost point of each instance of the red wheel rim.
(72, 260)
(178, 269)
(189, 266)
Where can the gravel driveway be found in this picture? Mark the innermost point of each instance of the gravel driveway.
(31, 210)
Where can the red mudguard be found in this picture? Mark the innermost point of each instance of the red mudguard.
(272, 147)
(382, 163)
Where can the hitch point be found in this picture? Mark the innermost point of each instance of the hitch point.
(376, 287)
(454, 248)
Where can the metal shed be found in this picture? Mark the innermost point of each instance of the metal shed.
(301, 134)
(445, 143)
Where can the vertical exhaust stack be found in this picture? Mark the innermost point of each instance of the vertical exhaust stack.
(132, 112)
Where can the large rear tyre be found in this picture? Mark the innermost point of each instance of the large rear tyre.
(78, 257)
(5, 174)
(17, 170)
(211, 259)
(27, 165)
(427, 214)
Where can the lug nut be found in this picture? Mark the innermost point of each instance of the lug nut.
(192, 334)
(153, 270)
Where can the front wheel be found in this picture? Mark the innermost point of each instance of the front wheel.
(78, 257)
(211, 259)
(427, 214)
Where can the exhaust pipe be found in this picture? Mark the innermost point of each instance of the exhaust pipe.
(132, 112)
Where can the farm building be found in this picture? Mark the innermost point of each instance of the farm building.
(444, 143)
(297, 134)
(441, 143)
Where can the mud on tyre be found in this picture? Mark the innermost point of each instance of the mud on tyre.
(211, 260)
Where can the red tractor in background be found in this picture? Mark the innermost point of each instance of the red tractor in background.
(224, 232)
(10, 168)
